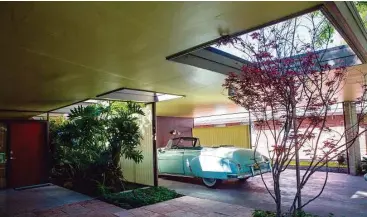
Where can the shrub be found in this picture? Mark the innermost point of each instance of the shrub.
(87, 146)
(141, 197)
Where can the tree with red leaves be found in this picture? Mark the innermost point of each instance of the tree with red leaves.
(287, 84)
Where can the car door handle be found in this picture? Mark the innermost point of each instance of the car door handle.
(12, 158)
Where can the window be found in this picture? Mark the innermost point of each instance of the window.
(183, 143)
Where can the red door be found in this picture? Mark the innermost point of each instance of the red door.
(27, 165)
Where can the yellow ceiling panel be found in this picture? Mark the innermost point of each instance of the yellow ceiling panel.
(43, 78)
(56, 53)
(4, 115)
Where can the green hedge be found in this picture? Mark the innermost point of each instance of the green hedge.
(141, 197)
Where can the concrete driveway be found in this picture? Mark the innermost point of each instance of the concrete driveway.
(52, 201)
(344, 195)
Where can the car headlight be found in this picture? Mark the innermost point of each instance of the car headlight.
(264, 158)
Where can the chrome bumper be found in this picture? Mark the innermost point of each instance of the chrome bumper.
(262, 168)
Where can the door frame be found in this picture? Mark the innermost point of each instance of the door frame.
(47, 154)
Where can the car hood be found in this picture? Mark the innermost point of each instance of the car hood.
(240, 155)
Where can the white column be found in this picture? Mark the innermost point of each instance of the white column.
(351, 127)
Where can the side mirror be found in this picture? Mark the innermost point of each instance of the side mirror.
(161, 150)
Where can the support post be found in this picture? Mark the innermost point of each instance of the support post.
(351, 130)
(154, 133)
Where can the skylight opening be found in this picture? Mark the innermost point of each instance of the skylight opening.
(165, 97)
(92, 101)
(122, 94)
(311, 29)
(137, 96)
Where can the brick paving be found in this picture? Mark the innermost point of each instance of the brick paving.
(90, 208)
(344, 196)
(188, 207)
(54, 201)
(181, 207)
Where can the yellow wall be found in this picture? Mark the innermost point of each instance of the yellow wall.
(142, 173)
(231, 135)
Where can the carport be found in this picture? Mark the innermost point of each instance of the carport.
(53, 58)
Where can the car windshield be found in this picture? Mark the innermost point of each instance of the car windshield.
(182, 143)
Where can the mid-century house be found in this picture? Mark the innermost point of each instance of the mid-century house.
(57, 55)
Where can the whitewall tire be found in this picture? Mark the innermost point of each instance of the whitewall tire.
(211, 183)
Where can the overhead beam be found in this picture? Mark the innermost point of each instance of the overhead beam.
(345, 18)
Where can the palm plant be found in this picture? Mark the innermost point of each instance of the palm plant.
(123, 133)
(90, 143)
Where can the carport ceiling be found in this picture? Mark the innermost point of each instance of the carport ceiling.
(57, 53)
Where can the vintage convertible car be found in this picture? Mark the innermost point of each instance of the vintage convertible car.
(184, 156)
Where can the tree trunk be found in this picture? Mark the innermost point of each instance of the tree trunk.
(116, 151)
(279, 209)
(298, 176)
(296, 146)
(278, 197)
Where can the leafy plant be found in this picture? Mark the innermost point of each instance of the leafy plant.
(362, 10)
(102, 188)
(88, 145)
(123, 133)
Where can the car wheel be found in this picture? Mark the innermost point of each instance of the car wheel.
(211, 183)
(243, 179)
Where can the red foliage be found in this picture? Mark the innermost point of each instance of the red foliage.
(273, 87)
(278, 149)
(286, 86)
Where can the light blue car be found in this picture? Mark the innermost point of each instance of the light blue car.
(185, 157)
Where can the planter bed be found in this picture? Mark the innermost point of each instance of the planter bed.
(140, 197)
